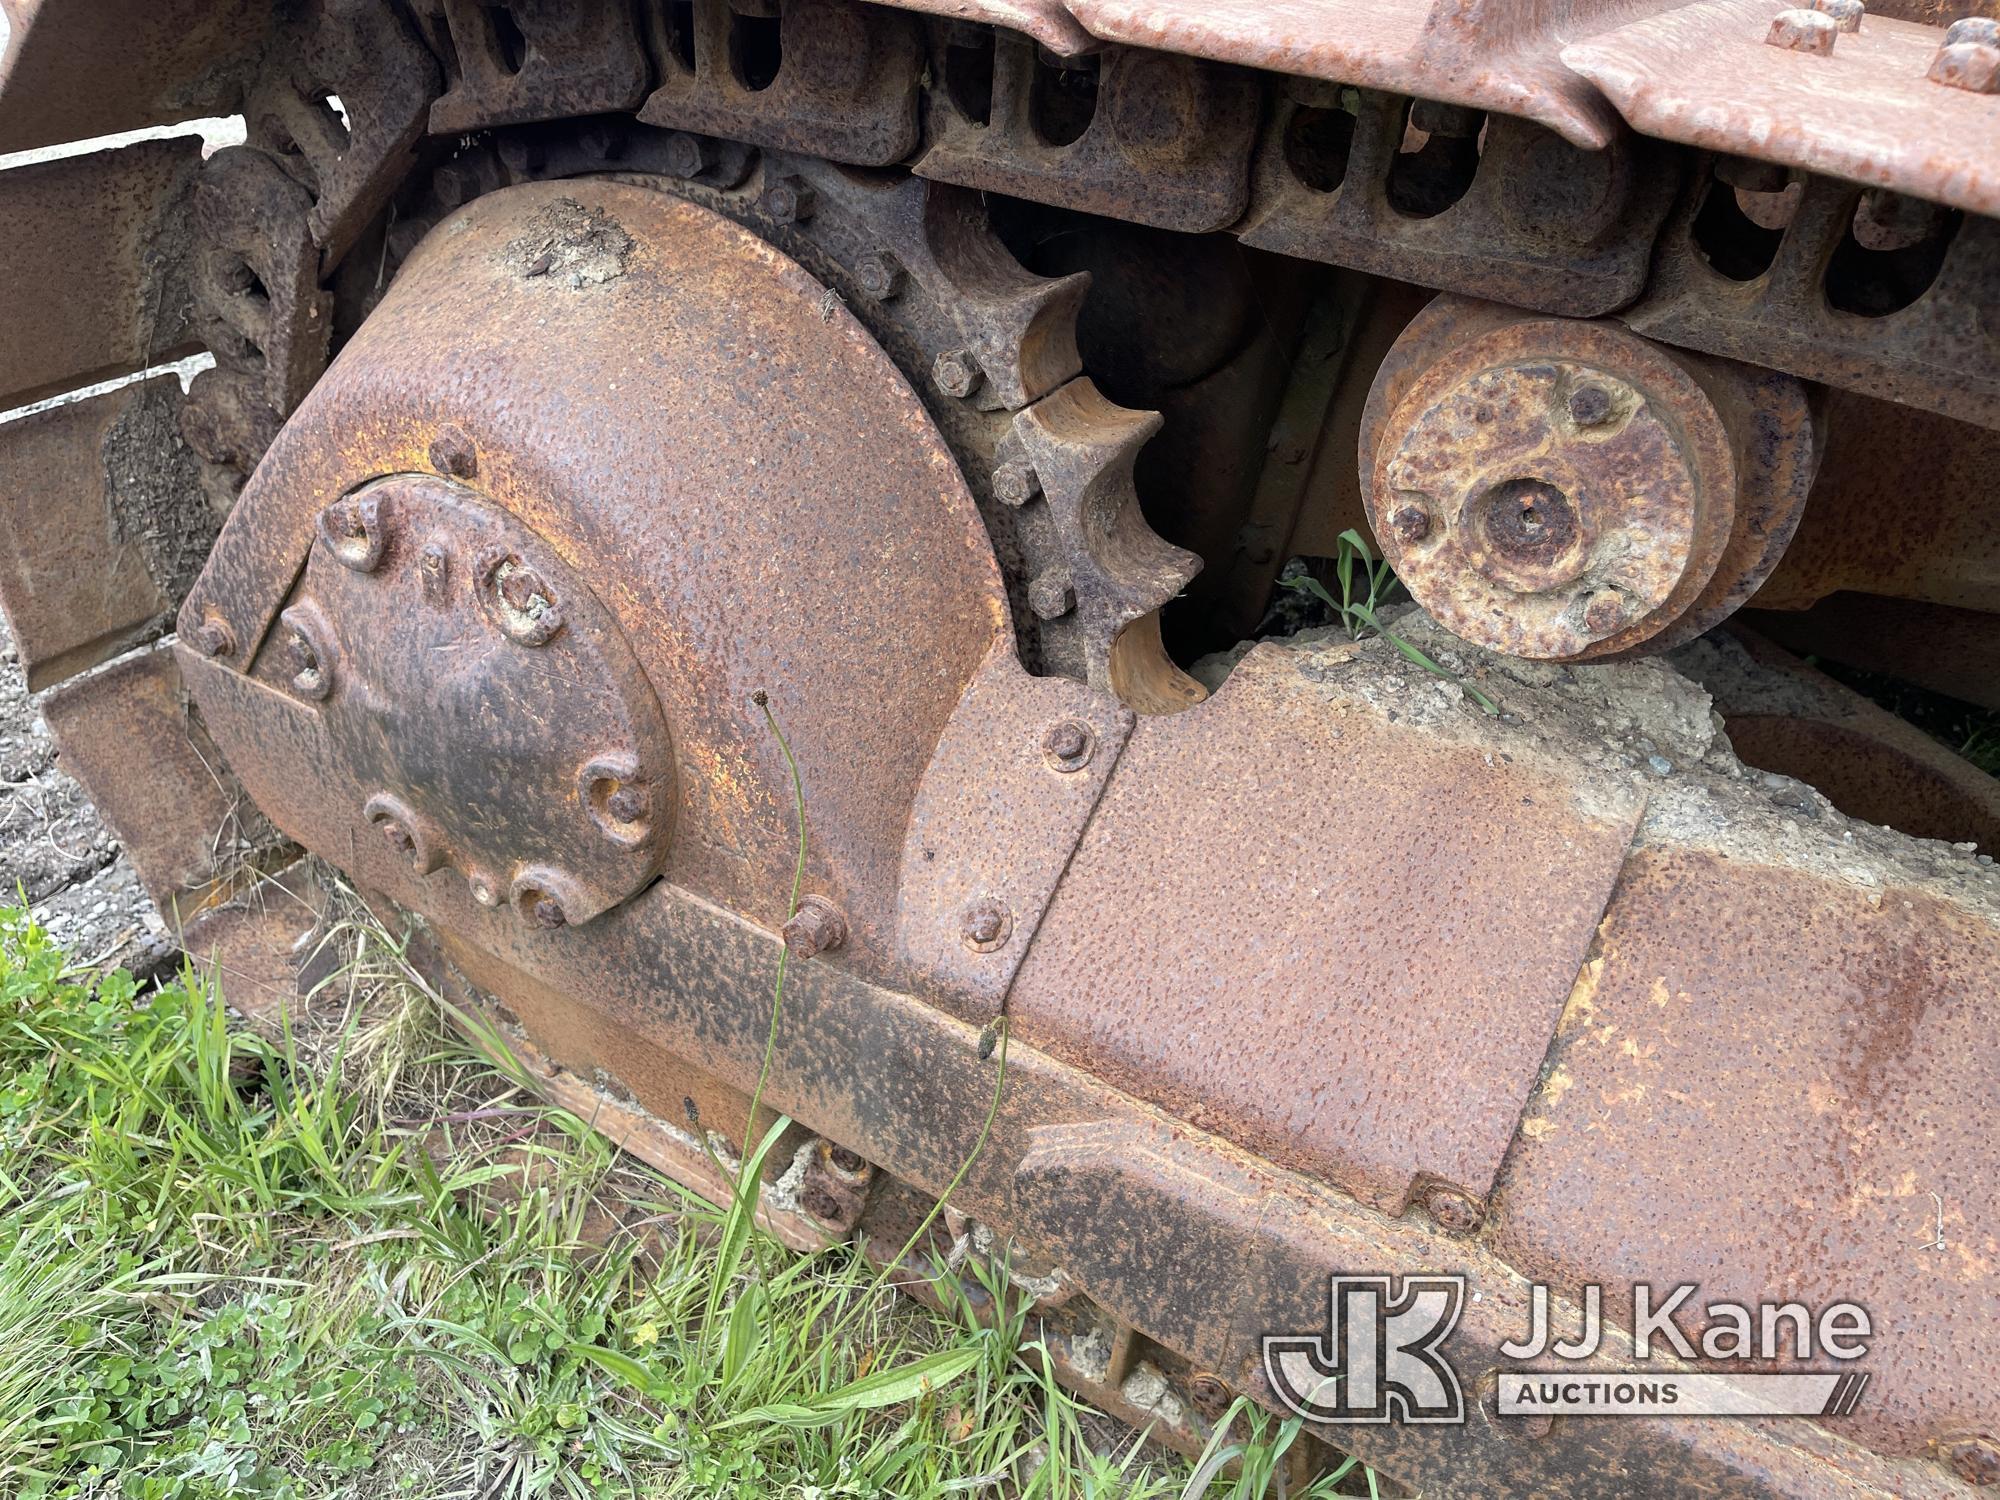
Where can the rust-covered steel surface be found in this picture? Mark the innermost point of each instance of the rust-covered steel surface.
(845, 85)
(745, 533)
(554, 58)
(1487, 54)
(178, 811)
(1047, 22)
(1867, 110)
(1532, 219)
(1166, 140)
(1906, 505)
(1781, 715)
(1018, 771)
(1308, 999)
(1562, 489)
(1171, 1228)
(1328, 971)
(481, 697)
(366, 54)
(1937, 351)
(1816, 1057)
(73, 573)
(1951, 651)
(73, 71)
(96, 249)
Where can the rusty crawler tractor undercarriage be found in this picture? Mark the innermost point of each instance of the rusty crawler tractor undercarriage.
(958, 376)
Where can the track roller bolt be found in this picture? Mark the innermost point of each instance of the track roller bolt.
(689, 155)
(1052, 595)
(816, 927)
(1803, 31)
(1068, 745)
(1208, 1394)
(957, 373)
(627, 804)
(790, 200)
(1972, 66)
(399, 838)
(1975, 1458)
(985, 925)
(849, 1166)
(1411, 523)
(1590, 405)
(213, 637)
(880, 275)
(1604, 612)
(452, 454)
(1016, 484)
(545, 911)
(1454, 1210)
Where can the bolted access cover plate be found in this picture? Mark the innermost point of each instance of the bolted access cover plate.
(481, 700)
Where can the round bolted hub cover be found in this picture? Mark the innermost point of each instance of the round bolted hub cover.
(1553, 489)
(601, 462)
(484, 701)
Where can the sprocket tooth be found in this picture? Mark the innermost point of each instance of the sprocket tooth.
(1019, 326)
(1076, 449)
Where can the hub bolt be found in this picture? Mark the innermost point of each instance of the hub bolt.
(1016, 484)
(434, 572)
(356, 530)
(1454, 1210)
(689, 155)
(1971, 65)
(791, 200)
(213, 637)
(1590, 405)
(957, 373)
(1067, 745)
(309, 675)
(1604, 612)
(1411, 523)
(985, 925)
(1975, 1459)
(816, 927)
(1052, 595)
(1846, 14)
(1803, 31)
(880, 275)
(547, 912)
(452, 454)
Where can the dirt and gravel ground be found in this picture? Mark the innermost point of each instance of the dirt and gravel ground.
(55, 850)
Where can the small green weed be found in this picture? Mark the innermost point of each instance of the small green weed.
(1366, 585)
